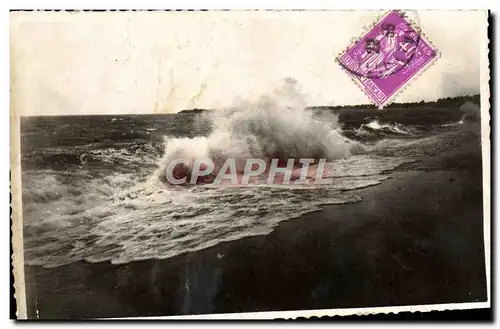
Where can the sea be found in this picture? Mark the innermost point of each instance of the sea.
(91, 187)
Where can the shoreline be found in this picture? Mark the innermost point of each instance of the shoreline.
(414, 239)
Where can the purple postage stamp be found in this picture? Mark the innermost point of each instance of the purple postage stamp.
(387, 57)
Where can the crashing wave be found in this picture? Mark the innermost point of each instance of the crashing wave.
(277, 126)
(394, 128)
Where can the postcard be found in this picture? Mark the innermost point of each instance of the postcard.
(249, 164)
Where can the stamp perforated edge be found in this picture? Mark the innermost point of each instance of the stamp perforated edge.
(404, 86)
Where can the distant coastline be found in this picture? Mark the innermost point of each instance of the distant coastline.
(448, 102)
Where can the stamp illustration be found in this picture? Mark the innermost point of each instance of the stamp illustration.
(387, 57)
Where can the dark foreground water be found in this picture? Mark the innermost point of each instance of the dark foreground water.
(103, 239)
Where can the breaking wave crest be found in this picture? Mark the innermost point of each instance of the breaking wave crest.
(395, 128)
(376, 128)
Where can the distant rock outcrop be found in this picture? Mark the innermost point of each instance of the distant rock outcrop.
(194, 111)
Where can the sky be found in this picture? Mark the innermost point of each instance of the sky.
(163, 62)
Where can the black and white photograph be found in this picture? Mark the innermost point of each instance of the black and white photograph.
(249, 164)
